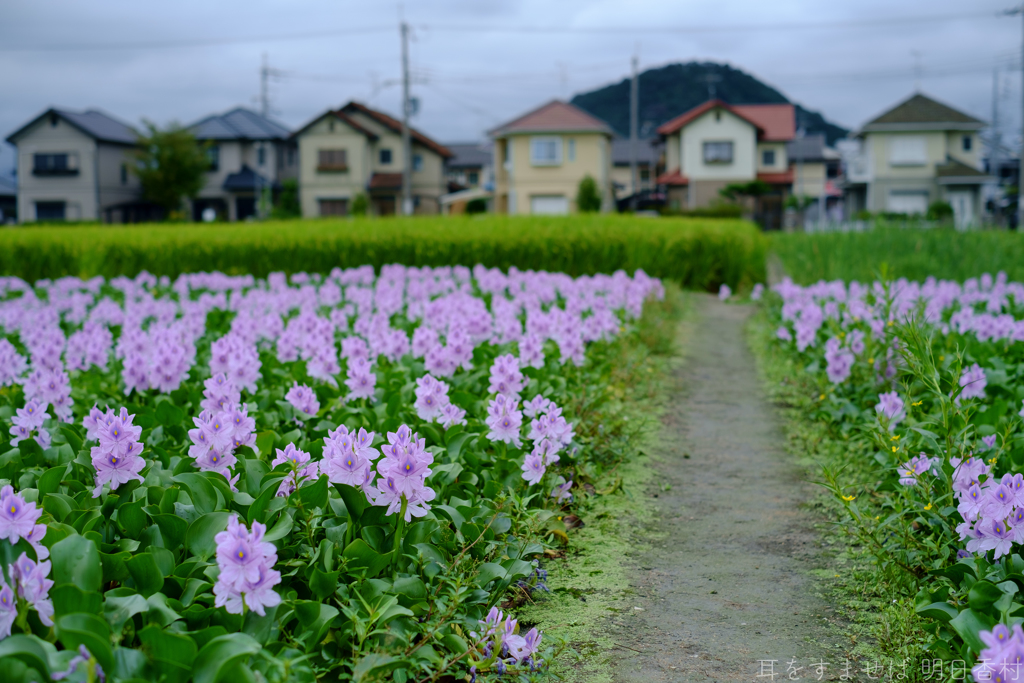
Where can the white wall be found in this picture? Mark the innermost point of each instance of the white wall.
(723, 128)
(79, 192)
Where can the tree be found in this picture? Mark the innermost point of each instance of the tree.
(171, 166)
(478, 205)
(287, 205)
(588, 197)
(940, 211)
(360, 205)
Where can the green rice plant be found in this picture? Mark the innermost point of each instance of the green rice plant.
(696, 253)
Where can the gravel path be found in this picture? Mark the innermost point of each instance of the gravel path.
(727, 580)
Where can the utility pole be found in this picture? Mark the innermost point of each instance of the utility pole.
(1020, 165)
(634, 115)
(407, 203)
(265, 87)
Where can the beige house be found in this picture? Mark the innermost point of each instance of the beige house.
(74, 166)
(541, 157)
(250, 156)
(919, 152)
(717, 144)
(357, 150)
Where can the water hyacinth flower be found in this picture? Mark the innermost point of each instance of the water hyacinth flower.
(303, 399)
(247, 575)
(561, 492)
(892, 407)
(973, 381)
(1001, 658)
(348, 456)
(724, 292)
(27, 423)
(8, 608)
(452, 415)
(533, 468)
(431, 398)
(17, 518)
(302, 469)
(911, 470)
(506, 378)
(83, 657)
(403, 472)
(34, 586)
(989, 441)
(505, 420)
(361, 382)
(757, 292)
(118, 458)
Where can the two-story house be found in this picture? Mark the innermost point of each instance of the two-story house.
(357, 150)
(648, 153)
(249, 155)
(717, 144)
(470, 165)
(75, 166)
(541, 157)
(919, 152)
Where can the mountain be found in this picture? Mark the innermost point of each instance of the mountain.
(670, 90)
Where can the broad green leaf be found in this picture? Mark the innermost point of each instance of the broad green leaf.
(969, 624)
(159, 612)
(29, 650)
(983, 595)
(454, 643)
(219, 655)
(169, 414)
(172, 528)
(174, 653)
(457, 519)
(940, 611)
(50, 480)
(132, 519)
(373, 666)
(355, 499)
(145, 573)
(200, 490)
(323, 583)
(314, 495)
(68, 598)
(362, 556)
(120, 605)
(89, 630)
(77, 560)
(281, 528)
(200, 536)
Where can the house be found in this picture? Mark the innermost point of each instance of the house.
(916, 153)
(8, 200)
(470, 165)
(717, 144)
(815, 168)
(355, 151)
(249, 156)
(541, 157)
(648, 153)
(75, 166)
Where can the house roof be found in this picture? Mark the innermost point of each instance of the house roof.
(646, 152)
(810, 148)
(674, 177)
(953, 172)
(395, 125)
(469, 154)
(554, 117)
(784, 178)
(245, 180)
(341, 116)
(778, 121)
(92, 122)
(238, 124)
(920, 111)
(685, 118)
(385, 181)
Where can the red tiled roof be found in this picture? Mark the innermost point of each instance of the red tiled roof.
(385, 181)
(778, 121)
(784, 178)
(701, 109)
(553, 117)
(396, 126)
(355, 124)
(674, 177)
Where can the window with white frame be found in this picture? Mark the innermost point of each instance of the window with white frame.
(718, 152)
(572, 149)
(908, 150)
(546, 151)
(417, 162)
(768, 157)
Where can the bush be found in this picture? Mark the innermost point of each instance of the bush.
(699, 254)
(360, 204)
(478, 205)
(287, 205)
(588, 197)
(940, 211)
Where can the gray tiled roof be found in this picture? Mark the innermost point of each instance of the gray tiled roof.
(98, 124)
(807, 148)
(469, 154)
(646, 153)
(238, 124)
(920, 109)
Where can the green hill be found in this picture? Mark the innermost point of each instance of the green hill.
(670, 90)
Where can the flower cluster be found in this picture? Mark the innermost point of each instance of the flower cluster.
(506, 379)
(18, 520)
(223, 426)
(403, 472)
(892, 407)
(27, 423)
(118, 457)
(505, 420)
(30, 585)
(83, 657)
(302, 469)
(247, 576)
(499, 640)
(348, 458)
(1003, 656)
(303, 399)
(993, 511)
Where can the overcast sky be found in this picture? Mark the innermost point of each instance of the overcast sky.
(477, 63)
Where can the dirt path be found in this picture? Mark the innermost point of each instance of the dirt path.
(726, 582)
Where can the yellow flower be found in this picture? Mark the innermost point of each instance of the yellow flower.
(895, 448)
(877, 517)
(942, 358)
(849, 498)
(917, 404)
(822, 397)
(891, 323)
(871, 361)
(928, 506)
(894, 438)
(992, 461)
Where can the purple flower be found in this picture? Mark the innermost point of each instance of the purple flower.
(8, 609)
(561, 492)
(533, 468)
(118, 457)
(361, 382)
(724, 292)
(452, 415)
(83, 657)
(303, 399)
(347, 457)
(909, 471)
(973, 381)
(431, 398)
(246, 564)
(17, 518)
(989, 441)
(34, 586)
(505, 420)
(506, 379)
(302, 470)
(892, 407)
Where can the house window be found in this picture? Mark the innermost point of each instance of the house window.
(124, 174)
(718, 115)
(546, 151)
(213, 157)
(473, 178)
(572, 149)
(718, 152)
(333, 207)
(417, 162)
(50, 211)
(768, 157)
(385, 156)
(645, 175)
(908, 150)
(55, 164)
(968, 143)
(261, 155)
(332, 160)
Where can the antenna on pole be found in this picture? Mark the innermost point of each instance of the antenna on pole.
(407, 201)
(918, 69)
(710, 79)
(265, 87)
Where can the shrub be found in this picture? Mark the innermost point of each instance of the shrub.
(360, 204)
(940, 211)
(478, 205)
(588, 197)
(287, 205)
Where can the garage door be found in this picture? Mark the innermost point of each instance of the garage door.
(908, 203)
(549, 204)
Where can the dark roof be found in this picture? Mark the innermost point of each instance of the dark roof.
(238, 124)
(385, 181)
(395, 126)
(922, 110)
(957, 169)
(245, 180)
(469, 154)
(646, 152)
(807, 148)
(554, 117)
(92, 122)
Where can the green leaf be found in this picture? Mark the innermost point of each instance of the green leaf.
(457, 519)
(940, 611)
(113, 566)
(89, 630)
(219, 655)
(454, 643)
(50, 480)
(323, 583)
(77, 560)
(172, 528)
(355, 500)
(983, 595)
(159, 612)
(314, 495)
(489, 571)
(411, 588)
(120, 605)
(71, 435)
(372, 666)
(68, 598)
(455, 445)
(145, 573)
(362, 556)
(29, 650)
(258, 508)
(58, 505)
(169, 414)
(265, 441)
(969, 624)
(281, 528)
(173, 652)
(200, 490)
(200, 536)
(132, 519)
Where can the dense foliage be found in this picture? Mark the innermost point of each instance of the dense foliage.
(198, 485)
(698, 254)
(930, 373)
(171, 166)
(894, 252)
